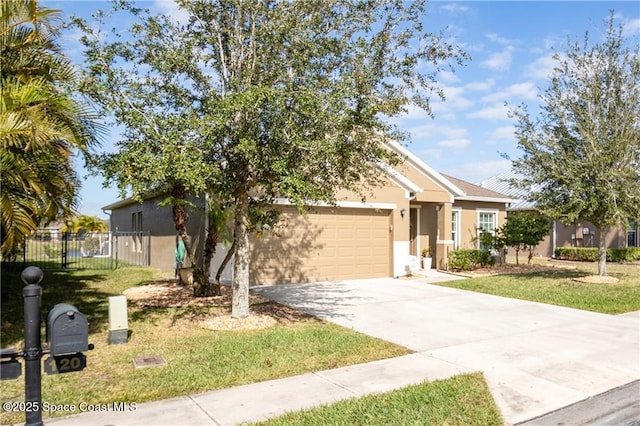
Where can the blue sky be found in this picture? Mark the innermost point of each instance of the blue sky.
(511, 44)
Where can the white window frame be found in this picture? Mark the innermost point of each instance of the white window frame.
(455, 235)
(633, 229)
(496, 224)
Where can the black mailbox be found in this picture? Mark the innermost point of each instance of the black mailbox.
(67, 330)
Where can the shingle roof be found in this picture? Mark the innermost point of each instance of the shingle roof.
(474, 191)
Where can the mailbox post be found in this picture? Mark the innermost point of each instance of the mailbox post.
(32, 345)
(67, 334)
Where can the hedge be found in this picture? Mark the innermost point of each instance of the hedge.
(468, 260)
(590, 254)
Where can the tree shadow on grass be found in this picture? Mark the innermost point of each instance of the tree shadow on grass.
(57, 287)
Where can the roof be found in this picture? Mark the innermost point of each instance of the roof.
(473, 192)
(500, 183)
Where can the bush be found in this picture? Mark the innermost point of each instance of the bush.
(590, 254)
(468, 260)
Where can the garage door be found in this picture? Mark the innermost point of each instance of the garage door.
(326, 244)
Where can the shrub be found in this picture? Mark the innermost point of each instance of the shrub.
(468, 260)
(590, 254)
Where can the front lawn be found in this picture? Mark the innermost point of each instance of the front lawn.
(198, 359)
(556, 285)
(460, 400)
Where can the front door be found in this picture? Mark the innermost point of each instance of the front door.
(413, 231)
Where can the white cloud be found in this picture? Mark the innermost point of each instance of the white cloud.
(499, 61)
(478, 171)
(501, 134)
(500, 40)
(494, 112)
(458, 144)
(431, 130)
(171, 9)
(454, 97)
(541, 68)
(448, 77)
(480, 86)
(526, 90)
(430, 154)
(631, 27)
(454, 8)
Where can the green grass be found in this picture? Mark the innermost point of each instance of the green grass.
(460, 400)
(199, 359)
(558, 287)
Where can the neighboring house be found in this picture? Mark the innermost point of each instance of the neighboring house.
(415, 207)
(580, 234)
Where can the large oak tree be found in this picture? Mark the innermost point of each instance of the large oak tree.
(253, 100)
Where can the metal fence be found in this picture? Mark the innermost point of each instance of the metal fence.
(51, 249)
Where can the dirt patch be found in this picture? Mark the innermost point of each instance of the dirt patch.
(168, 294)
(597, 279)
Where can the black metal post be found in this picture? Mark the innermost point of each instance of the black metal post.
(31, 293)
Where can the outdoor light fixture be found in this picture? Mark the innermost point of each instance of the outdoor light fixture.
(403, 212)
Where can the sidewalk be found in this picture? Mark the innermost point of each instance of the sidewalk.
(259, 401)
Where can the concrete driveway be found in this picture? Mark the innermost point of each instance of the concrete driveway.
(536, 358)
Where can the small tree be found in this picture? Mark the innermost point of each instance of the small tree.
(582, 156)
(523, 231)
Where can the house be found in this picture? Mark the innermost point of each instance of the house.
(415, 207)
(580, 234)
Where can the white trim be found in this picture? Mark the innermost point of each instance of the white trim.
(425, 169)
(444, 241)
(400, 179)
(456, 240)
(417, 207)
(496, 225)
(486, 199)
(346, 204)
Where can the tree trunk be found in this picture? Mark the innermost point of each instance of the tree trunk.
(602, 251)
(240, 297)
(209, 289)
(179, 210)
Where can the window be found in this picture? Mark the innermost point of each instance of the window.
(455, 229)
(487, 224)
(632, 234)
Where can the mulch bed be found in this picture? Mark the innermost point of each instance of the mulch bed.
(168, 294)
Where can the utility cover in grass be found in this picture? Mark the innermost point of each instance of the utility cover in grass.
(149, 361)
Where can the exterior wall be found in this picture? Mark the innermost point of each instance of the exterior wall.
(432, 192)
(574, 236)
(159, 222)
(469, 219)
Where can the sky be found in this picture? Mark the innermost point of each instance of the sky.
(511, 44)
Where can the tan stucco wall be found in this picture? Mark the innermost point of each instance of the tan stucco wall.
(469, 219)
(432, 191)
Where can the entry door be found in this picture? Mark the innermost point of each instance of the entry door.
(413, 231)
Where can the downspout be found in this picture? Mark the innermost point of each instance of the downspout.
(554, 236)
(207, 272)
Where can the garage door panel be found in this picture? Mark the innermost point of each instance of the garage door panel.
(328, 244)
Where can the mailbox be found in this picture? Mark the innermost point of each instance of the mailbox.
(67, 330)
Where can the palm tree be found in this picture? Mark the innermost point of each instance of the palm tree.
(41, 124)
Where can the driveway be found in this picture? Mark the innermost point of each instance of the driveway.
(536, 357)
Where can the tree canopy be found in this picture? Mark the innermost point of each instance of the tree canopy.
(581, 156)
(250, 101)
(41, 123)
